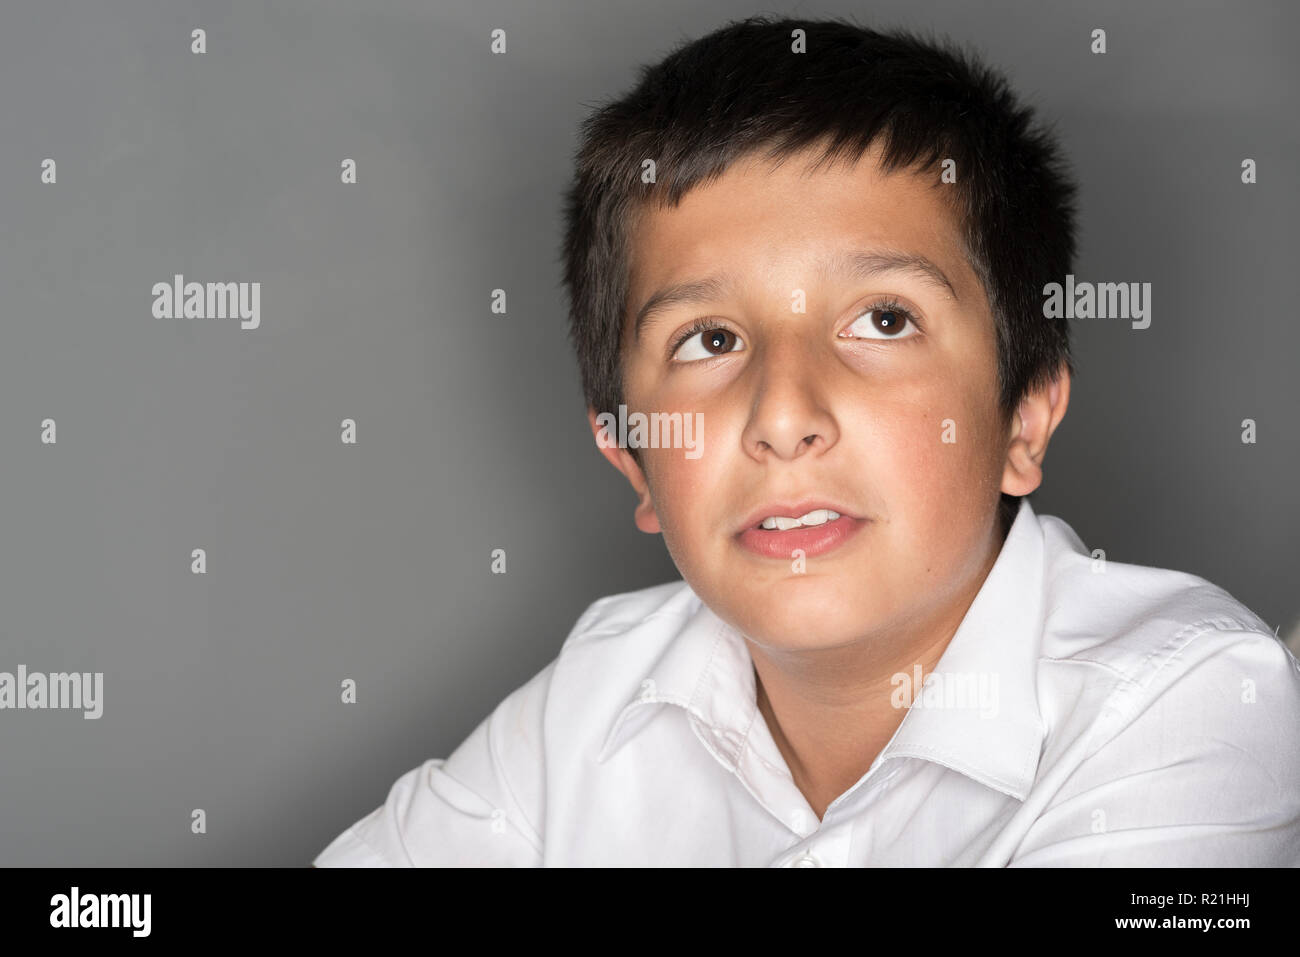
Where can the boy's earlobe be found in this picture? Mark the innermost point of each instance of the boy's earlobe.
(1032, 426)
(607, 441)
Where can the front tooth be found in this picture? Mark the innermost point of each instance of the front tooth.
(818, 516)
(780, 522)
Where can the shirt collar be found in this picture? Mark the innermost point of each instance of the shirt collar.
(995, 739)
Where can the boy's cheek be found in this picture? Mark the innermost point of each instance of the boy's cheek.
(929, 474)
(678, 487)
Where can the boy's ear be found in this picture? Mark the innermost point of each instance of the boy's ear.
(607, 441)
(1039, 414)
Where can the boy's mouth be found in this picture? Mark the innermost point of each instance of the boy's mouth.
(783, 531)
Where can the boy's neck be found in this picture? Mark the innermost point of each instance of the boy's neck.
(831, 712)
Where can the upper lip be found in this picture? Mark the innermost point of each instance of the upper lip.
(790, 510)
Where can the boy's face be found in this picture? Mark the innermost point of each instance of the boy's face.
(813, 392)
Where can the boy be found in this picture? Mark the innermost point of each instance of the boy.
(827, 247)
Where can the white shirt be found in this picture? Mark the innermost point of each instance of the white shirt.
(1142, 717)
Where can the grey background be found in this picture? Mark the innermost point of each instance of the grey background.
(328, 561)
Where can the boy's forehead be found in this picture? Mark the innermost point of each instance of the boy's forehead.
(759, 213)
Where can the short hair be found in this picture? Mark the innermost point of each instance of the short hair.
(741, 90)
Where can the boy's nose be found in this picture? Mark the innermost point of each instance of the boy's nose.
(789, 415)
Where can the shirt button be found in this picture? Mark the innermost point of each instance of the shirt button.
(807, 861)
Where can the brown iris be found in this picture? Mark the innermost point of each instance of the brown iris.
(720, 340)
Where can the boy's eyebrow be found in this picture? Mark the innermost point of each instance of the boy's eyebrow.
(852, 264)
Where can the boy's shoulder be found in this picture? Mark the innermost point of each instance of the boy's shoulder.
(1132, 620)
(1168, 709)
(619, 638)
(1153, 675)
(618, 614)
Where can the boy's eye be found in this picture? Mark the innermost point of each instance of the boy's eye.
(706, 342)
(882, 321)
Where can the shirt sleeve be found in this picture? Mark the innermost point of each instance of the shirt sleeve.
(480, 807)
(1207, 775)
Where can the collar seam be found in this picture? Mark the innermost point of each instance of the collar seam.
(704, 672)
(980, 775)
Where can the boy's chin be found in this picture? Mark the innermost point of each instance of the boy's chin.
(809, 617)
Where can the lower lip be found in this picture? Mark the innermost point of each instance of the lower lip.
(813, 540)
